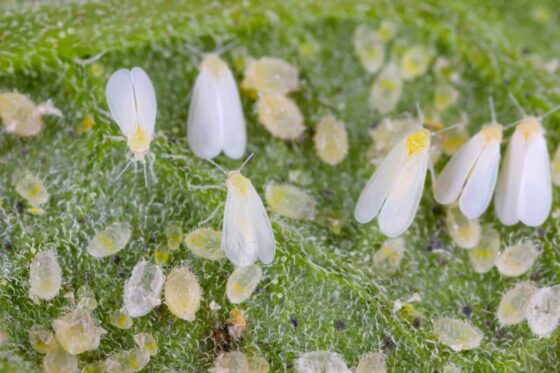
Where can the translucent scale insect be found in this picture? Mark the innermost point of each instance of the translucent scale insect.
(216, 122)
(393, 192)
(132, 102)
(471, 174)
(524, 188)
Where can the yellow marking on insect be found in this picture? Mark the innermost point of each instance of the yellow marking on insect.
(417, 141)
(214, 64)
(239, 182)
(237, 288)
(139, 142)
(389, 84)
(492, 133)
(528, 127)
(106, 241)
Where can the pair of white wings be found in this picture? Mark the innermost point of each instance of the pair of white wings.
(472, 174)
(524, 189)
(394, 191)
(132, 100)
(216, 120)
(247, 233)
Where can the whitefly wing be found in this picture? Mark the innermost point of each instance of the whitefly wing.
(509, 181)
(145, 100)
(403, 200)
(480, 185)
(535, 192)
(380, 184)
(121, 101)
(233, 120)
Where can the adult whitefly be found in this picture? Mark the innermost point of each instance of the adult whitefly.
(243, 282)
(205, 243)
(132, 101)
(331, 140)
(320, 362)
(110, 240)
(372, 362)
(290, 201)
(183, 293)
(78, 331)
(543, 311)
(272, 75)
(457, 334)
(386, 90)
(280, 115)
(142, 291)
(60, 361)
(32, 189)
(247, 234)
(216, 121)
(517, 259)
(513, 304)
(484, 255)
(45, 276)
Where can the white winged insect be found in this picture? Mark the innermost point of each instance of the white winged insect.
(393, 193)
(524, 188)
(132, 102)
(246, 234)
(216, 122)
(471, 173)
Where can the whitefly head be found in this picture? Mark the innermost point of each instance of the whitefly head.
(132, 101)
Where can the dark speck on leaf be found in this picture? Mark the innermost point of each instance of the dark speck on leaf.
(437, 210)
(19, 207)
(434, 244)
(501, 333)
(467, 310)
(526, 50)
(388, 342)
(70, 132)
(258, 290)
(153, 238)
(7, 245)
(506, 82)
(172, 139)
(87, 276)
(441, 260)
(373, 125)
(488, 324)
(327, 192)
(294, 321)
(81, 221)
(116, 259)
(24, 152)
(417, 322)
(121, 273)
(339, 325)
(221, 338)
(541, 232)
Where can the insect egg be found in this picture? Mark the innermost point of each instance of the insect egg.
(372, 362)
(183, 293)
(142, 291)
(205, 243)
(386, 90)
(331, 140)
(388, 258)
(464, 232)
(543, 311)
(320, 361)
(60, 361)
(127, 361)
(42, 339)
(517, 259)
(369, 47)
(290, 201)
(243, 282)
(457, 334)
(146, 342)
(280, 116)
(484, 254)
(45, 276)
(270, 75)
(514, 303)
(110, 240)
(78, 331)
(415, 62)
(32, 189)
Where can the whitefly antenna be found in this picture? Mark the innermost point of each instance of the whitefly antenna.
(249, 157)
(420, 114)
(551, 111)
(492, 109)
(517, 105)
